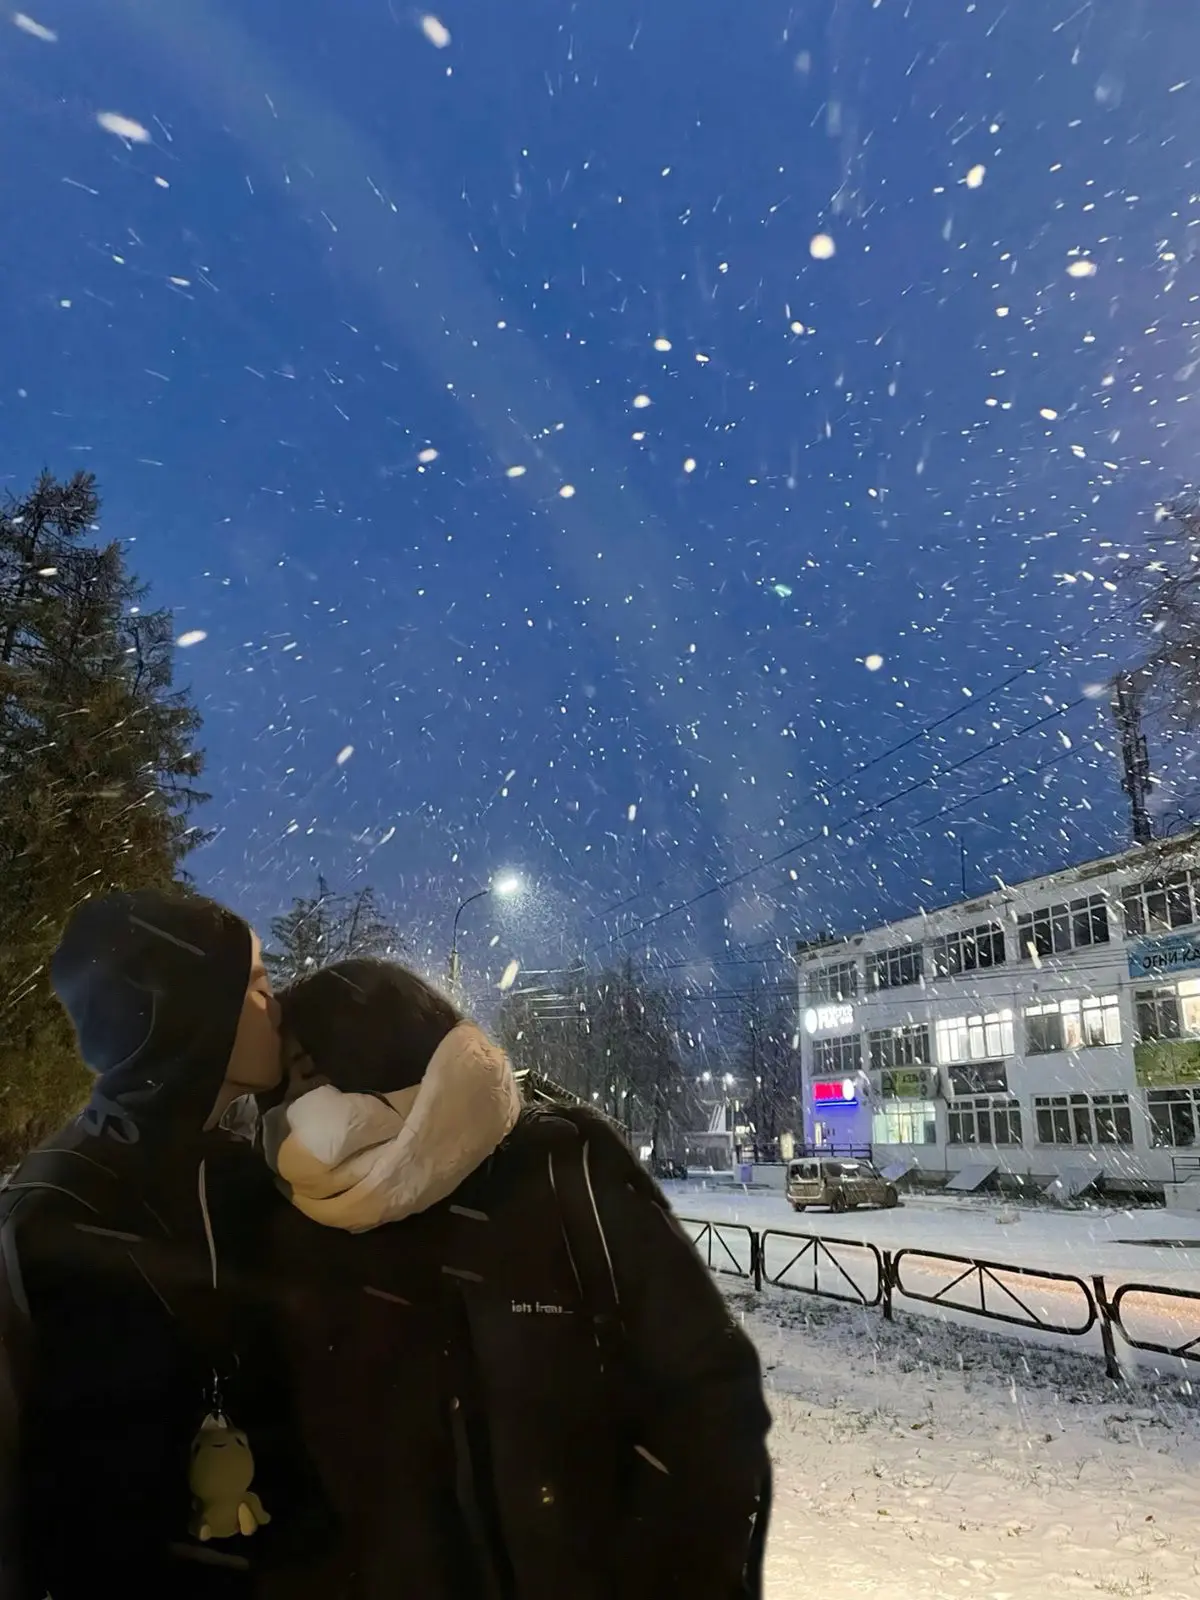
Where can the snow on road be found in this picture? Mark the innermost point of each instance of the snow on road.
(918, 1462)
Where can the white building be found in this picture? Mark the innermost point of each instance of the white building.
(1049, 1030)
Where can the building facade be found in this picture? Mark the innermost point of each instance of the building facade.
(1049, 1030)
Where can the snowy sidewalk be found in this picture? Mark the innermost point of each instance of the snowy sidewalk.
(926, 1463)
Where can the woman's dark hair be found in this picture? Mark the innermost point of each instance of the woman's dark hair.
(368, 1026)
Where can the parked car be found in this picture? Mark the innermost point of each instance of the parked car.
(840, 1185)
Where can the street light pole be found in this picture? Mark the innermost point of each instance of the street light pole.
(503, 886)
(455, 963)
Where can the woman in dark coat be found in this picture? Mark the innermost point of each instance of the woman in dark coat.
(513, 1370)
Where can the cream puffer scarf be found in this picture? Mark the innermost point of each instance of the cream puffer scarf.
(356, 1161)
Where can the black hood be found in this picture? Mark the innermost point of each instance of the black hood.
(154, 985)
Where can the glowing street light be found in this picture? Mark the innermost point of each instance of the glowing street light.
(505, 887)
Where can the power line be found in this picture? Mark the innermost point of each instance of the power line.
(975, 701)
(860, 815)
(856, 771)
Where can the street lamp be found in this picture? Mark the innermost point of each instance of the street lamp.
(505, 887)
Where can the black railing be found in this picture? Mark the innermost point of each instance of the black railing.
(1185, 1169)
(823, 1259)
(721, 1245)
(860, 1273)
(834, 1152)
(991, 1276)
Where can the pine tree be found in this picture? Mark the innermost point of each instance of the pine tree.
(97, 771)
(319, 929)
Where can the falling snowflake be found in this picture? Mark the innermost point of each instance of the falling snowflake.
(193, 636)
(873, 663)
(515, 472)
(510, 976)
(640, 402)
(427, 455)
(1082, 269)
(1049, 413)
(567, 492)
(344, 754)
(821, 247)
(435, 30)
(662, 345)
(123, 127)
(35, 30)
(690, 464)
(974, 178)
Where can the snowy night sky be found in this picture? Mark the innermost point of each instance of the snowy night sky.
(576, 437)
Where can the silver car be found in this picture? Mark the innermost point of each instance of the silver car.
(840, 1185)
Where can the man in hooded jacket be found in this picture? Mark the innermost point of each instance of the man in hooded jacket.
(129, 1304)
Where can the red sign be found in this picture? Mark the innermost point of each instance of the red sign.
(840, 1093)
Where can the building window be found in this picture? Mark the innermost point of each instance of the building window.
(968, 951)
(983, 1077)
(975, 1038)
(905, 1122)
(1174, 1116)
(1072, 1024)
(1160, 904)
(1070, 925)
(1171, 1011)
(839, 982)
(986, 1121)
(894, 969)
(837, 1058)
(906, 1046)
(1083, 1119)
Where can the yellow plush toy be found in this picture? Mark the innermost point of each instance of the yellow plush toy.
(220, 1476)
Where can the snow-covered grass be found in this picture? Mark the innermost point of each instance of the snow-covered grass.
(920, 1461)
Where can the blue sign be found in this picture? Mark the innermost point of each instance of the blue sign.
(1164, 957)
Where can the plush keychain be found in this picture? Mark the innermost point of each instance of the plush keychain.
(220, 1476)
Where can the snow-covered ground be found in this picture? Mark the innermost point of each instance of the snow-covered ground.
(918, 1462)
(1085, 1241)
(1125, 1247)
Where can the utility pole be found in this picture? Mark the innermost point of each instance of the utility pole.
(1135, 758)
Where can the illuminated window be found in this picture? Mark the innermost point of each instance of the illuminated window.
(1170, 1011)
(975, 1038)
(968, 951)
(1071, 925)
(1072, 1024)
(905, 1122)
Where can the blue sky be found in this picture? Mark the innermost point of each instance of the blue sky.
(356, 297)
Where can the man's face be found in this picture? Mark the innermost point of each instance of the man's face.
(254, 1063)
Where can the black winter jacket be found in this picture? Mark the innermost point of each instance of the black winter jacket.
(480, 1426)
(111, 1332)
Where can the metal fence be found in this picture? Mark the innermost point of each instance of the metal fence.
(857, 1272)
